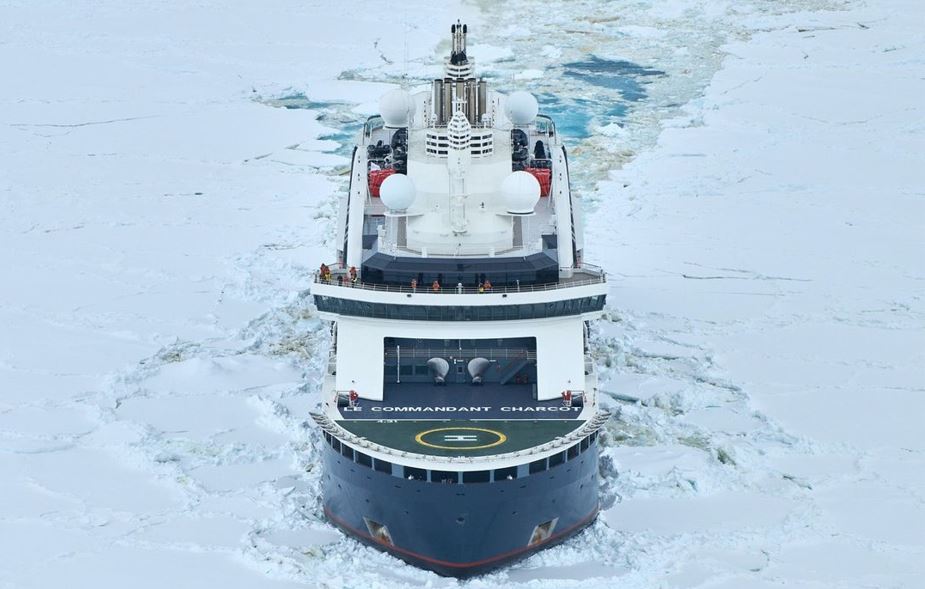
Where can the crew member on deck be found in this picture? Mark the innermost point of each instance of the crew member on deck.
(487, 285)
(353, 274)
(414, 284)
(435, 286)
(325, 272)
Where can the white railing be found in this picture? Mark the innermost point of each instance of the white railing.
(488, 353)
(595, 276)
(589, 427)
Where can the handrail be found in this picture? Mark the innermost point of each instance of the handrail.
(590, 426)
(600, 278)
(488, 353)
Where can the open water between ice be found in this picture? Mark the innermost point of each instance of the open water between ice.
(608, 84)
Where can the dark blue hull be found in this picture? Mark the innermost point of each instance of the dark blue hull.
(459, 529)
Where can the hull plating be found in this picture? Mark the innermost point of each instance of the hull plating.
(461, 529)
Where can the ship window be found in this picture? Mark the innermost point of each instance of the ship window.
(537, 466)
(592, 438)
(364, 459)
(556, 459)
(443, 476)
(573, 452)
(422, 369)
(415, 474)
(477, 476)
(584, 444)
(506, 474)
(335, 443)
(383, 466)
(406, 370)
(452, 313)
(347, 451)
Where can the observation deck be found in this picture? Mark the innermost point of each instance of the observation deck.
(582, 293)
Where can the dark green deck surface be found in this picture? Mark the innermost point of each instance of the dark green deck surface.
(461, 438)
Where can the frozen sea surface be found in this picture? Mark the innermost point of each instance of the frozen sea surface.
(753, 177)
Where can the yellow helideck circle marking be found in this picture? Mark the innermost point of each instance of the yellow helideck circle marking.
(420, 438)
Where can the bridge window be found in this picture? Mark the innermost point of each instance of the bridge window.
(458, 313)
(537, 466)
(364, 459)
(382, 466)
(573, 452)
(584, 444)
(335, 443)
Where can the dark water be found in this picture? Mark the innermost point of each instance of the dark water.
(344, 140)
(334, 114)
(593, 89)
(298, 100)
(608, 90)
(626, 77)
(573, 116)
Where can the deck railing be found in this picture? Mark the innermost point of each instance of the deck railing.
(584, 276)
(590, 426)
(489, 353)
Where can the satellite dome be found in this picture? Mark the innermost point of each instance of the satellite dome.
(521, 192)
(395, 108)
(521, 108)
(397, 192)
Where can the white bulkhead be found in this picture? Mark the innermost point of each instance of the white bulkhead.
(360, 349)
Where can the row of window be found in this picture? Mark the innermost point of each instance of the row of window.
(451, 477)
(459, 313)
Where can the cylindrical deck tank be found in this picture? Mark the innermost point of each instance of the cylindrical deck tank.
(438, 102)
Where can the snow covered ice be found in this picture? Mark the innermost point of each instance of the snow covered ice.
(755, 179)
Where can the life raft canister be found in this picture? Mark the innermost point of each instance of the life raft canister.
(376, 178)
(544, 177)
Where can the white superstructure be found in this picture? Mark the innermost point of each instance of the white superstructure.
(459, 226)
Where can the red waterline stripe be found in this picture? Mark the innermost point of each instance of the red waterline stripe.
(344, 524)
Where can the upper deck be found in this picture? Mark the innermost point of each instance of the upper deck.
(421, 424)
(461, 399)
(460, 419)
(581, 293)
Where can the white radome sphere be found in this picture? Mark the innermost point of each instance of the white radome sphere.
(521, 108)
(521, 192)
(395, 108)
(397, 192)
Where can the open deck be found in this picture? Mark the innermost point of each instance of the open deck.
(459, 419)
(461, 437)
(582, 276)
